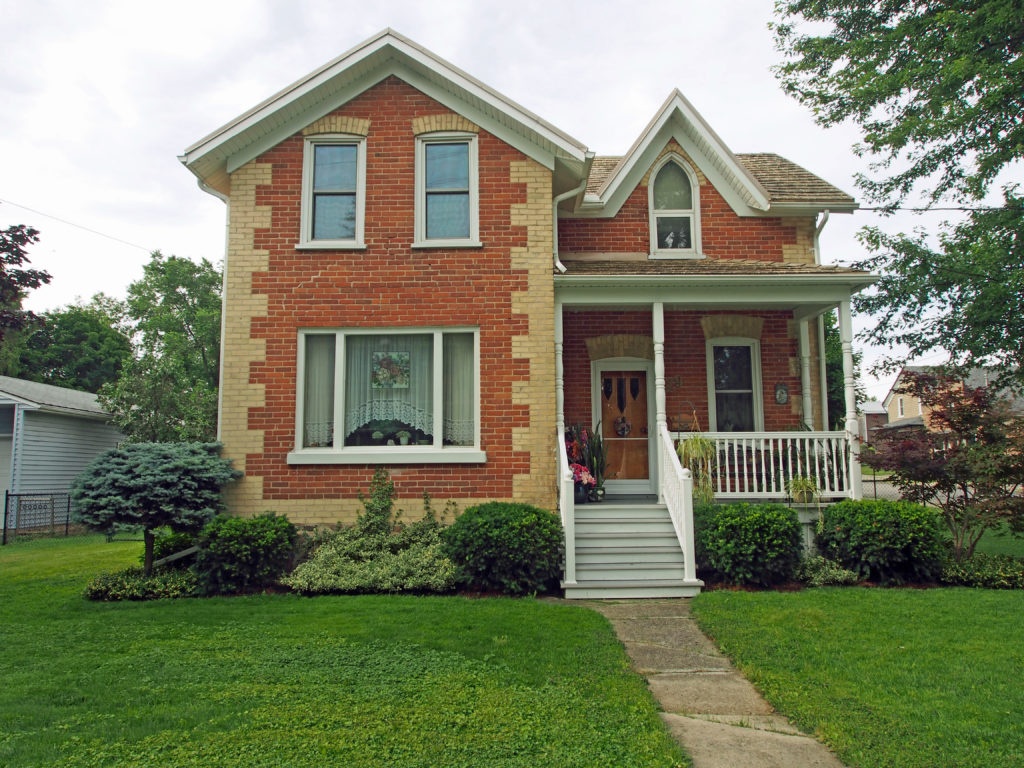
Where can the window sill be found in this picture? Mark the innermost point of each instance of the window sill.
(388, 455)
(677, 256)
(331, 245)
(447, 244)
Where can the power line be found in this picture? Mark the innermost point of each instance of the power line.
(79, 226)
(963, 209)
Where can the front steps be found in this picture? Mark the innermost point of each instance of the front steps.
(625, 551)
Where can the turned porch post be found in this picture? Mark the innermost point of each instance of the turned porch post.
(559, 375)
(852, 427)
(658, 327)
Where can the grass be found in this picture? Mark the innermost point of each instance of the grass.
(280, 680)
(1001, 542)
(886, 677)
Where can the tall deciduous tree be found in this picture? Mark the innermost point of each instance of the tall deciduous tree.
(937, 89)
(168, 389)
(14, 280)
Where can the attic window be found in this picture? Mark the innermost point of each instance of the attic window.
(675, 228)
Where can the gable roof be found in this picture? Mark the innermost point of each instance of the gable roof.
(49, 397)
(976, 378)
(342, 79)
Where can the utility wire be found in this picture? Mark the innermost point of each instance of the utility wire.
(79, 226)
(964, 209)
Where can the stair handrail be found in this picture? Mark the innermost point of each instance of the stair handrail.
(567, 509)
(675, 491)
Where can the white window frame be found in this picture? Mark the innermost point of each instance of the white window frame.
(757, 393)
(420, 237)
(899, 408)
(385, 454)
(694, 251)
(306, 218)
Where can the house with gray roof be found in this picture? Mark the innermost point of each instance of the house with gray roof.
(48, 435)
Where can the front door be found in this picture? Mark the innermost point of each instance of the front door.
(623, 413)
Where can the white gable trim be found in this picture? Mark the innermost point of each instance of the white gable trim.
(677, 119)
(340, 80)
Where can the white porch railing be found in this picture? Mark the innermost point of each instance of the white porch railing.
(567, 509)
(760, 465)
(675, 491)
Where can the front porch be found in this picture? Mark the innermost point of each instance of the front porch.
(647, 369)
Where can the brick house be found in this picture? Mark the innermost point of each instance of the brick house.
(423, 275)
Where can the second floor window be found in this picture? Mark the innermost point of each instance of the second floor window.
(334, 182)
(675, 230)
(446, 190)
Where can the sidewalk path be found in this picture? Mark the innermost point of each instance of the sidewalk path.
(709, 707)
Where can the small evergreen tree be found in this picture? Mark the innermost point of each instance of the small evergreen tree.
(150, 486)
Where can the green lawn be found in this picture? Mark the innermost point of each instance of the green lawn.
(898, 678)
(279, 680)
(1001, 543)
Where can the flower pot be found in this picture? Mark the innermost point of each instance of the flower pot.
(596, 494)
(580, 494)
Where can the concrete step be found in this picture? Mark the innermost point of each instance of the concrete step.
(607, 590)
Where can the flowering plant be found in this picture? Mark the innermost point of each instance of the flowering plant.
(581, 475)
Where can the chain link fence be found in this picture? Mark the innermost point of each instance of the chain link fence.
(879, 487)
(36, 515)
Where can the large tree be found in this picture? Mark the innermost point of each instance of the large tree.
(15, 280)
(937, 89)
(168, 389)
(81, 346)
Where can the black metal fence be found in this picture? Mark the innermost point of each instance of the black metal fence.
(35, 515)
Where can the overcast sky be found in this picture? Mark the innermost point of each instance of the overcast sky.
(101, 97)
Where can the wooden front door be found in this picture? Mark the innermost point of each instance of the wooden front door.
(624, 428)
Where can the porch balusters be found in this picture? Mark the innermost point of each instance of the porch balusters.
(675, 488)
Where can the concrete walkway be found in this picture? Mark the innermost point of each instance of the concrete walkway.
(709, 707)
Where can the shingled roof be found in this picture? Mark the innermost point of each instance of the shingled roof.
(784, 180)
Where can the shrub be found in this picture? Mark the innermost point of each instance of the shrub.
(819, 571)
(891, 542)
(984, 570)
(152, 486)
(134, 584)
(240, 554)
(506, 547)
(379, 554)
(755, 544)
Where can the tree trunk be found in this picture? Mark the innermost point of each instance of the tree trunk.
(148, 538)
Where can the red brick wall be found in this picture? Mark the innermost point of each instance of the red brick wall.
(724, 235)
(685, 362)
(390, 284)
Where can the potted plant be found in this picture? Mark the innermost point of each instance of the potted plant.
(698, 454)
(403, 437)
(583, 482)
(598, 462)
(802, 490)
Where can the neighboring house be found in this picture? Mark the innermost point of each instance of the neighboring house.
(48, 435)
(873, 416)
(906, 410)
(423, 275)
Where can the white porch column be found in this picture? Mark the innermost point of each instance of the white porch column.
(823, 373)
(559, 375)
(658, 327)
(805, 373)
(852, 427)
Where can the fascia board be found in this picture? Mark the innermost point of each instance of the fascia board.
(739, 290)
(672, 121)
(809, 208)
(396, 53)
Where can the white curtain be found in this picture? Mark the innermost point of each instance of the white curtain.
(318, 394)
(408, 400)
(459, 395)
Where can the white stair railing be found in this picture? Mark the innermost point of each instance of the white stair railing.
(675, 490)
(567, 509)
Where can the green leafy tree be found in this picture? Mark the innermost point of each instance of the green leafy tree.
(937, 89)
(80, 346)
(969, 463)
(168, 390)
(151, 486)
(14, 280)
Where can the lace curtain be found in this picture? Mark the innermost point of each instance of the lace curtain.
(389, 378)
(318, 419)
(459, 394)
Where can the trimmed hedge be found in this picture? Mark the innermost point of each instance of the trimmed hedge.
(749, 544)
(891, 542)
(242, 554)
(134, 584)
(506, 547)
(984, 570)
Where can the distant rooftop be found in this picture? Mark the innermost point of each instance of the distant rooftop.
(49, 396)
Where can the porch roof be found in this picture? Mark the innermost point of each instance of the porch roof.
(806, 289)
